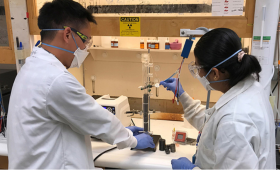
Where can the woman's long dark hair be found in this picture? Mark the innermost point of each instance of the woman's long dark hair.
(219, 44)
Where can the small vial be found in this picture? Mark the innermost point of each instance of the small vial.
(167, 44)
(153, 44)
(112, 43)
(141, 44)
(156, 44)
(148, 44)
(167, 150)
(173, 134)
(116, 43)
(172, 148)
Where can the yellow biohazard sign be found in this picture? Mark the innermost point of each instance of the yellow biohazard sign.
(130, 26)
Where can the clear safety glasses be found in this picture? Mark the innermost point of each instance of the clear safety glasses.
(86, 40)
(194, 69)
(88, 43)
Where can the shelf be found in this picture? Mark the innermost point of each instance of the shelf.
(136, 50)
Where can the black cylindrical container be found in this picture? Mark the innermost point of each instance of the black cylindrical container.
(162, 144)
(167, 151)
(173, 148)
(146, 112)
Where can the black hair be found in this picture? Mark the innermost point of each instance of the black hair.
(59, 13)
(219, 44)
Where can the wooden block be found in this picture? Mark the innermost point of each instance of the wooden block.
(164, 116)
(4, 162)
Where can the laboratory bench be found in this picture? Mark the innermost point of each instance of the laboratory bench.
(135, 159)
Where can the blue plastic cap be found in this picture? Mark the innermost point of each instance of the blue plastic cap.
(38, 43)
(187, 48)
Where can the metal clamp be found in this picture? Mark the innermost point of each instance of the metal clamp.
(189, 32)
(133, 112)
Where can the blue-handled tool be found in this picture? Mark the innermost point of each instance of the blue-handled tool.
(187, 48)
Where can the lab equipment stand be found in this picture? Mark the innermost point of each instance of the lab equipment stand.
(146, 88)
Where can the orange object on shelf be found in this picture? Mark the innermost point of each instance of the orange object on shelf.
(157, 44)
(141, 44)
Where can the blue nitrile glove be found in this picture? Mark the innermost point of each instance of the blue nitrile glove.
(135, 130)
(182, 163)
(144, 141)
(170, 84)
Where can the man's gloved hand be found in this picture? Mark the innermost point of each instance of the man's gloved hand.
(182, 163)
(135, 130)
(144, 141)
(170, 84)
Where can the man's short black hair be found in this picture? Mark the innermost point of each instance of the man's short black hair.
(59, 13)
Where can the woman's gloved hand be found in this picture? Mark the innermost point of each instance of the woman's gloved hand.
(170, 85)
(144, 141)
(182, 163)
(135, 130)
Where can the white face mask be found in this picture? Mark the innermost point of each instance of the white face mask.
(79, 57)
(205, 83)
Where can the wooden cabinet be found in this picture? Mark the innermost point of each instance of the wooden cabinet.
(162, 26)
(7, 54)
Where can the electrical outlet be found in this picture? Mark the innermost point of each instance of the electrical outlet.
(93, 83)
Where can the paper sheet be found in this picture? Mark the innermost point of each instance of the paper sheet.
(227, 7)
(262, 52)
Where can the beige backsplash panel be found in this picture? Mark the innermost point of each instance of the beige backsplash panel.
(120, 73)
(78, 73)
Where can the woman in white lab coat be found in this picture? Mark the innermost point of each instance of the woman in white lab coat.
(238, 132)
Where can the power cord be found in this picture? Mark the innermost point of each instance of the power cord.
(103, 153)
(132, 122)
(111, 148)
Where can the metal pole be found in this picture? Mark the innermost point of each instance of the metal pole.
(208, 99)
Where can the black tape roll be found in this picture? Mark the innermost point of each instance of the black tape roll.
(162, 144)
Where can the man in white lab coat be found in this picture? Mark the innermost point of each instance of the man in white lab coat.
(51, 117)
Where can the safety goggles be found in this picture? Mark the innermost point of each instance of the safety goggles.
(194, 69)
(86, 40)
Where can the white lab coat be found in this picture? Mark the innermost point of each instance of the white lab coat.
(239, 132)
(51, 117)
